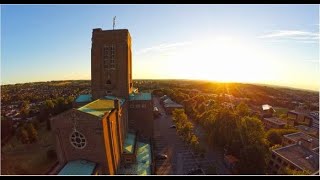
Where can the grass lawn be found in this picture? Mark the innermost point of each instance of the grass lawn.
(280, 110)
(18, 158)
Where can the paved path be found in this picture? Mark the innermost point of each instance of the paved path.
(167, 141)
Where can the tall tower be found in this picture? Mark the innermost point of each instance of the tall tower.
(111, 63)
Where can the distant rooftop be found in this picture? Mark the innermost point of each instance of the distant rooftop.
(294, 112)
(129, 143)
(140, 97)
(84, 98)
(175, 105)
(275, 120)
(306, 129)
(266, 107)
(98, 107)
(78, 167)
(168, 101)
(313, 116)
(300, 156)
(298, 135)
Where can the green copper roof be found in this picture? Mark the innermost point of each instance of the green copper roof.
(143, 164)
(78, 167)
(84, 98)
(144, 159)
(98, 107)
(129, 143)
(140, 96)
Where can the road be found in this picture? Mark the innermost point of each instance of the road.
(180, 157)
(167, 141)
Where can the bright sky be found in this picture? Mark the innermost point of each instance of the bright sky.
(273, 44)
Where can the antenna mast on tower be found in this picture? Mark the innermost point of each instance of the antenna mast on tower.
(114, 21)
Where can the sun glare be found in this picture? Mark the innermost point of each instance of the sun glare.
(221, 59)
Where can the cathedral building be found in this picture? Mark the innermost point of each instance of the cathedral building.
(108, 131)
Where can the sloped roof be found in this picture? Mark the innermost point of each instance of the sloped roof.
(78, 167)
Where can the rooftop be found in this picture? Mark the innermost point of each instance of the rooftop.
(78, 167)
(144, 158)
(314, 114)
(129, 143)
(275, 120)
(98, 107)
(293, 112)
(140, 97)
(266, 107)
(168, 101)
(84, 98)
(300, 156)
(298, 135)
(306, 129)
(173, 105)
(114, 30)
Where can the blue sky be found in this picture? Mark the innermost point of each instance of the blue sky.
(275, 44)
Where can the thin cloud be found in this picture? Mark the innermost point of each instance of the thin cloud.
(312, 61)
(300, 36)
(162, 47)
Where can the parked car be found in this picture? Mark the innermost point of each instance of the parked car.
(195, 171)
(173, 126)
(161, 156)
(156, 112)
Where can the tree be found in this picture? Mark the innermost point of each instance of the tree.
(194, 142)
(49, 105)
(254, 147)
(22, 135)
(48, 110)
(185, 128)
(242, 109)
(274, 137)
(223, 128)
(25, 109)
(69, 101)
(32, 132)
(288, 171)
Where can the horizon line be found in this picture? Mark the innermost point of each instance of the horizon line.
(181, 79)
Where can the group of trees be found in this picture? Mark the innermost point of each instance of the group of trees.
(40, 91)
(49, 108)
(240, 134)
(54, 107)
(185, 128)
(234, 129)
(237, 129)
(27, 133)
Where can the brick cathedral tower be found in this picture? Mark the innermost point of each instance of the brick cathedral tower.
(111, 63)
